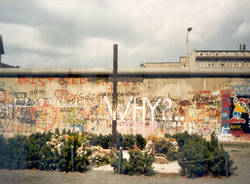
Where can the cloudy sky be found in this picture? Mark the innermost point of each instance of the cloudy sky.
(81, 33)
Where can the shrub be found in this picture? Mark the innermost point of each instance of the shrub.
(99, 156)
(217, 163)
(2, 152)
(172, 155)
(140, 141)
(191, 157)
(181, 137)
(93, 140)
(37, 149)
(13, 152)
(162, 146)
(139, 163)
(104, 141)
(167, 135)
(165, 147)
(128, 141)
(198, 157)
(82, 158)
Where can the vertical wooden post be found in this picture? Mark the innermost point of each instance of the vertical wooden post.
(114, 104)
(72, 158)
(120, 161)
(227, 166)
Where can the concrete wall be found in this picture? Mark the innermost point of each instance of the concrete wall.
(149, 107)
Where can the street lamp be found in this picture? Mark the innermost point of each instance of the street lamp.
(187, 53)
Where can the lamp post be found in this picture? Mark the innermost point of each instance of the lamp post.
(187, 52)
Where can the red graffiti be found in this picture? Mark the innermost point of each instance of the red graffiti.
(44, 81)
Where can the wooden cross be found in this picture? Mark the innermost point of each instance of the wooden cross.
(114, 104)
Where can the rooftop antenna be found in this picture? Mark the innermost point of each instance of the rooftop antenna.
(1, 48)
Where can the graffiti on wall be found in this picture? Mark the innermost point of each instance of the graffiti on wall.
(29, 105)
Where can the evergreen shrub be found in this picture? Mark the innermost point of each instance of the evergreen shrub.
(139, 163)
(198, 157)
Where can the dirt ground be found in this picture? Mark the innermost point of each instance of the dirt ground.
(240, 155)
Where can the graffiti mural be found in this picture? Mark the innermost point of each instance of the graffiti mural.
(239, 117)
(149, 107)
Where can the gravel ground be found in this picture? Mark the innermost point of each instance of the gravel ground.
(241, 157)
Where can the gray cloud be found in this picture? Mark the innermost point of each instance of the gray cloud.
(44, 33)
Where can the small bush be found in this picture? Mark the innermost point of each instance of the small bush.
(167, 135)
(13, 152)
(162, 146)
(38, 150)
(165, 147)
(198, 157)
(139, 163)
(140, 141)
(93, 140)
(99, 156)
(104, 141)
(217, 164)
(181, 137)
(191, 157)
(128, 141)
(172, 155)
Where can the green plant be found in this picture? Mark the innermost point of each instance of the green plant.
(37, 149)
(216, 164)
(192, 157)
(139, 163)
(93, 139)
(2, 152)
(198, 157)
(163, 146)
(82, 160)
(140, 141)
(99, 156)
(167, 135)
(13, 152)
(181, 137)
(104, 141)
(128, 141)
(172, 155)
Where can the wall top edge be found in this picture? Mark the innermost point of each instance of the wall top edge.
(17, 72)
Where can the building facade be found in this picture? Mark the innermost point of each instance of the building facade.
(209, 59)
(220, 58)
